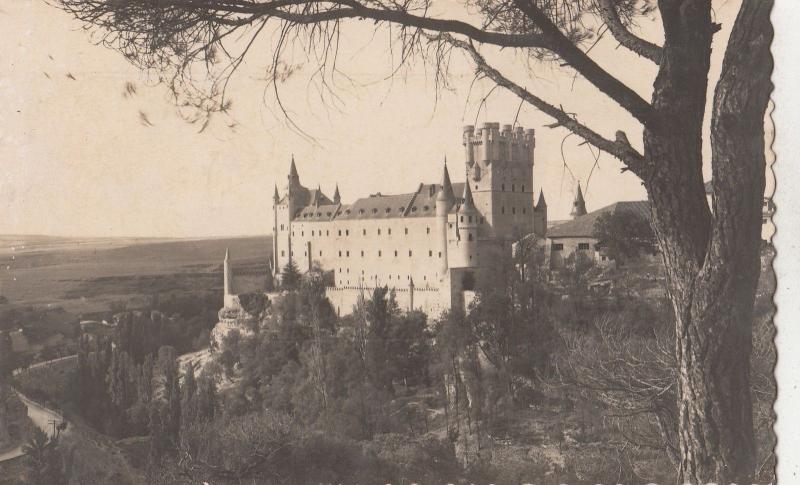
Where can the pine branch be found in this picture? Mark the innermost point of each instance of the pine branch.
(626, 38)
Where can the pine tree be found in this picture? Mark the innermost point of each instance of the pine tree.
(290, 276)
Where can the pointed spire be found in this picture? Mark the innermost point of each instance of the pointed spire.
(337, 199)
(447, 187)
(227, 255)
(541, 202)
(469, 204)
(293, 169)
(275, 196)
(579, 205)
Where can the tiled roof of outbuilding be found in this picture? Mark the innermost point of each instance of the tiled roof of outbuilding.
(583, 226)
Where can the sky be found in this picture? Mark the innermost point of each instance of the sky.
(79, 156)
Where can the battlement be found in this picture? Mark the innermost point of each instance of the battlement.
(491, 143)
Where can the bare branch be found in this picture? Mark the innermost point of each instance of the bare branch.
(620, 148)
(608, 12)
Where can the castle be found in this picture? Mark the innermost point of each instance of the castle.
(428, 245)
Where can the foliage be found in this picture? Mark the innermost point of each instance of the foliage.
(624, 235)
(43, 460)
(290, 276)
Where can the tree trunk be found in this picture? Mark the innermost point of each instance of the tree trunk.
(712, 261)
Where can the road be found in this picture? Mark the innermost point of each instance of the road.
(47, 362)
(43, 419)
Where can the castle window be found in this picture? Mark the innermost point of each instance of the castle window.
(283, 253)
(430, 253)
(469, 237)
(379, 231)
(302, 233)
(503, 210)
(400, 209)
(440, 254)
(340, 254)
(513, 187)
(348, 254)
(409, 253)
(348, 270)
(583, 246)
(395, 253)
(347, 232)
(476, 187)
(320, 254)
(427, 230)
(305, 253)
(503, 187)
(340, 232)
(451, 225)
(380, 253)
(462, 218)
(389, 231)
(312, 233)
(364, 232)
(481, 220)
(388, 210)
(362, 254)
(523, 210)
(406, 230)
(558, 247)
(426, 208)
(281, 227)
(340, 270)
(361, 211)
(319, 214)
(523, 188)
(390, 276)
(328, 214)
(327, 233)
(513, 210)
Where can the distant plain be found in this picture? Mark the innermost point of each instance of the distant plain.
(85, 275)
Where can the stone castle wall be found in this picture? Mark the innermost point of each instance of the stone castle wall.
(431, 301)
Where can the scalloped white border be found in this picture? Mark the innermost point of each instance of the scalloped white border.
(786, 116)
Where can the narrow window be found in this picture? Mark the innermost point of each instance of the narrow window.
(427, 230)
(406, 231)
(327, 233)
(462, 218)
(362, 254)
(364, 233)
(389, 231)
(430, 253)
(523, 188)
(380, 253)
(347, 232)
(503, 210)
(469, 236)
(340, 232)
(440, 254)
(283, 253)
(379, 231)
(409, 253)
(513, 187)
(320, 254)
(348, 254)
(340, 254)
(503, 187)
(513, 210)
(395, 253)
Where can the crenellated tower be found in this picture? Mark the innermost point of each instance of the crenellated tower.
(499, 165)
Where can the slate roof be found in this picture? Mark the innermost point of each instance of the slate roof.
(583, 226)
(421, 203)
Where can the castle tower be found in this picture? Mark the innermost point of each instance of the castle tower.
(444, 201)
(499, 164)
(578, 205)
(540, 216)
(337, 199)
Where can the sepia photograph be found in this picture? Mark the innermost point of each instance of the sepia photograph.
(392, 242)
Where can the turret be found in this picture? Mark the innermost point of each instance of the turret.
(468, 217)
(444, 201)
(578, 205)
(275, 197)
(337, 199)
(540, 216)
